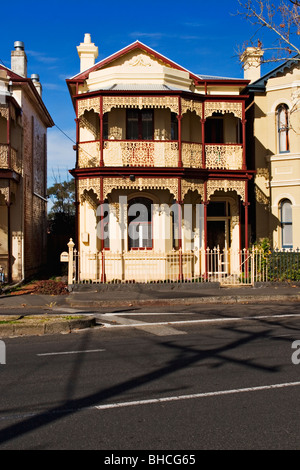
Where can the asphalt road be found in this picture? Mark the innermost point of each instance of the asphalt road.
(183, 388)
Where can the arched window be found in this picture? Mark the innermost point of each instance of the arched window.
(283, 128)
(139, 223)
(286, 224)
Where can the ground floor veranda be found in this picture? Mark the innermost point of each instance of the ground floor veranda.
(146, 231)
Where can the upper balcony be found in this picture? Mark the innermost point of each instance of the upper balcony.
(204, 135)
(9, 159)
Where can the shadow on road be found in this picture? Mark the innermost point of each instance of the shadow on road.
(183, 357)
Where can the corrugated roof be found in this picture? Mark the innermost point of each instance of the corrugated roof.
(140, 86)
(213, 77)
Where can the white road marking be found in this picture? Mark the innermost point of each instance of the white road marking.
(208, 320)
(163, 330)
(147, 313)
(196, 396)
(71, 352)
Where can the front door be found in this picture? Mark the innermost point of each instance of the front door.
(216, 237)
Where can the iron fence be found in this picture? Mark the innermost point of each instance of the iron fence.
(229, 267)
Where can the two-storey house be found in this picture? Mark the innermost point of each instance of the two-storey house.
(24, 120)
(165, 149)
(273, 111)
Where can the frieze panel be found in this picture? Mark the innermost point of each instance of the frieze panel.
(191, 105)
(4, 112)
(192, 185)
(140, 102)
(140, 184)
(4, 190)
(226, 185)
(223, 107)
(87, 105)
(88, 184)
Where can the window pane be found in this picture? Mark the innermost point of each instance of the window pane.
(286, 212)
(147, 125)
(287, 236)
(106, 235)
(139, 223)
(283, 128)
(105, 126)
(174, 127)
(146, 235)
(132, 124)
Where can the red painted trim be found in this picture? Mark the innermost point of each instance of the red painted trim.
(140, 46)
(9, 241)
(205, 229)
(9, 175)
(158, 93)
(134, 46)
(101, 131)
(246, 204)
(179, 117)
(160, 172)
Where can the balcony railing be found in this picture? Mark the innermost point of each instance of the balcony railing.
(160, 154)
(140, 153)
(224, 156)
(15, 162)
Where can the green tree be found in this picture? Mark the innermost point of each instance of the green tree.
(61, 215)
(61, 223)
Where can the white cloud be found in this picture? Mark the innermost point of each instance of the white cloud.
(42, 57)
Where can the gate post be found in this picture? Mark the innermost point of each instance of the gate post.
(71, 245)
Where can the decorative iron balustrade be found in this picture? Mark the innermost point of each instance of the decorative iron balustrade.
(224, 156)
(15, 162)
(228, 267)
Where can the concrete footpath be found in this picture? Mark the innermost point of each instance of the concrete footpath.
(47, 314)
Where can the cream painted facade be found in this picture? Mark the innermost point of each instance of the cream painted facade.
(274, 107)
(149, 131)
(24, 120)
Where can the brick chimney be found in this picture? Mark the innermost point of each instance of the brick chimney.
(36, 81)
(87, 52)
(251, 59)
(19, 59)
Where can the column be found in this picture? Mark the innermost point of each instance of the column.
(203, 136)
(179, 117)
(101, 131)
(179, 202)
(205, 203)
(101, 202)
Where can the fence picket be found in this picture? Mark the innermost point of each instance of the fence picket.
(229, 267)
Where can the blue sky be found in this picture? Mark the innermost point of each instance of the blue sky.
(201, 36)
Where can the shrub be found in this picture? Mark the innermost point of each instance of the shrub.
(50, 287)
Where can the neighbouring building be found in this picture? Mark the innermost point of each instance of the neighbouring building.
(273, 115)
(165, 148)
(24, 120)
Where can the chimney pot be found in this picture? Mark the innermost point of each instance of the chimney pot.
(36, 81)
(19, 45)
(19, 59)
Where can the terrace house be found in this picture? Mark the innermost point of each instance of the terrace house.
(151, 134)
(24, 120)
